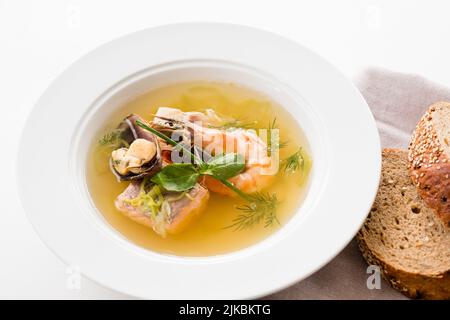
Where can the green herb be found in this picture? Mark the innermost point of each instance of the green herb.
(184, 176)
(235, 123)
(279, 144)
(259, 207)
(262, 207)
(113, 140)
(294, 162)
(156, 133)
(224, 166)
(177, 177)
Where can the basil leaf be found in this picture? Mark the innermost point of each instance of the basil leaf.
(177, 177)
(224, 166)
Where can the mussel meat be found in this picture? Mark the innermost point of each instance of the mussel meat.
(142, 156)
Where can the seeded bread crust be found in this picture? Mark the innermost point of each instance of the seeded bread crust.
(404, 237)
(429, 163)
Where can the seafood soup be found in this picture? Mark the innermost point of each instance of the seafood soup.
(198, 168)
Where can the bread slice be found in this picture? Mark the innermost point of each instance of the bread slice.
(404, 237)
(429, 159)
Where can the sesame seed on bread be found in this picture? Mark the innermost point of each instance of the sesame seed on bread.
(429, 159)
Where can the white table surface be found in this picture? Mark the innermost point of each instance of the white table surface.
(39, 39)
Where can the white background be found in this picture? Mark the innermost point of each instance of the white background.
(39, 39)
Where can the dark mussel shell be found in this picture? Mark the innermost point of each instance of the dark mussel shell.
(130, 131)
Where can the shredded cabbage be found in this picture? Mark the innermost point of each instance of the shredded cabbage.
(150, 201)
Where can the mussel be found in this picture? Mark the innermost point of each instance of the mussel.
(141, 157)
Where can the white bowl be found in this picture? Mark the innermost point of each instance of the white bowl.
(336, 120)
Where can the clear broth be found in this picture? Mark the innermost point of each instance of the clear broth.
(207, 235)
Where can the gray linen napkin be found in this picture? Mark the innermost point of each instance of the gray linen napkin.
(397, 101)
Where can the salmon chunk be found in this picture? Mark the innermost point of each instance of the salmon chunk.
(176, 213)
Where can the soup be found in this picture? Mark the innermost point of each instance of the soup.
(205, 206)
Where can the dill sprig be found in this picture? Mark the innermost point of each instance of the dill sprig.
(235, 123)
(113, 139)
(294, 162)
(277, 146)
(280, 144)
(262, 207)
